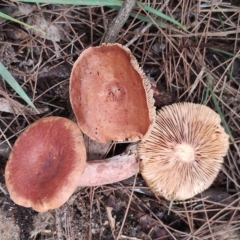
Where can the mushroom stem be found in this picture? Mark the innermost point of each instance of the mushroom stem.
(110, 170)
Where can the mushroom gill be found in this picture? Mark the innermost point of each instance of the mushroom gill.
(184, 151)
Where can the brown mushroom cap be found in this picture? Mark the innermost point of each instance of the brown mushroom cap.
(45, 164)
(110, 95)
(184, 152)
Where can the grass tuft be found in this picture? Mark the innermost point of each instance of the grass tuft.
(7, 76)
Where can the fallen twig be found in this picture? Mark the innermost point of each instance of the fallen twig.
(118, 22)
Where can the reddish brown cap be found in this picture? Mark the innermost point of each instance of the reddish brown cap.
(184, 152)
(45, 164)
(110, 95)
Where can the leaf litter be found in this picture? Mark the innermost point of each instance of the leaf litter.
(177, 62)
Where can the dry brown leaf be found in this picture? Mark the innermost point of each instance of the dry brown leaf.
(25, 9)
(50, 31)
(111, 219)
(12, 106)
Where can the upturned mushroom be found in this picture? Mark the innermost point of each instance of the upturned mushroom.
(110, 95)
(184, 152)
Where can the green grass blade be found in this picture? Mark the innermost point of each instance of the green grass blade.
(161, 15)
(143, 18)
(149, 20)
(206, 93)
(224, 52)
(108, 3)
(215, 102)
(79, 2)
(3, 15)
(221, 116)
(14, 84)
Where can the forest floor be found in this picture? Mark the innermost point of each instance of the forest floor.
(199, 64)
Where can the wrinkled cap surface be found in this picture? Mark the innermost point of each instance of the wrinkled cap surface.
(184, 152)
(110, 95)
(45, 164)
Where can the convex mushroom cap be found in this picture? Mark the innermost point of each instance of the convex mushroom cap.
(110, 95)
(45, 164)
(184, 152)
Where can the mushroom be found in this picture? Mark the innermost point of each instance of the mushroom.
(184, 152)
(48, 162)
(180, 158)
(110, 95)
(45, 163)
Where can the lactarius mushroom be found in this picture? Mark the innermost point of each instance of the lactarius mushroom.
(45, 164)
(184, 152)
(48, 162)
(110, 95)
